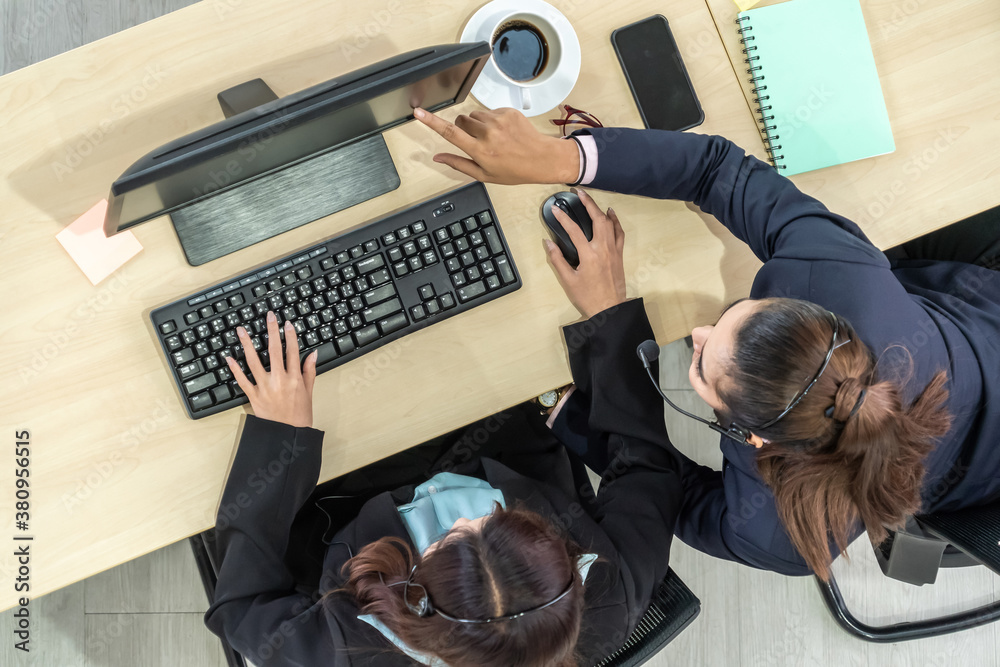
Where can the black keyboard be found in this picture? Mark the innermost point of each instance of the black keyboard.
(345, 296)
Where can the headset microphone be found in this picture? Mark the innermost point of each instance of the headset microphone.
(648, 352)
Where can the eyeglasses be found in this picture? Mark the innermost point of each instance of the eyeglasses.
(574, 116)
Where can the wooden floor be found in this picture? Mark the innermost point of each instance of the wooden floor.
(148, 613)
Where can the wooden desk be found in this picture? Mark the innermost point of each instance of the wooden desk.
(939, 66)
(117, 470)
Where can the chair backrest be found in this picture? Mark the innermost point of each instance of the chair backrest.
(928, 542)
(672, 609)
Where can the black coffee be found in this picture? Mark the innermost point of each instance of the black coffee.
(519, 50)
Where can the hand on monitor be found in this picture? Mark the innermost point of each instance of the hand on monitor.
(285, 393)
(504, 148)
(598, 283)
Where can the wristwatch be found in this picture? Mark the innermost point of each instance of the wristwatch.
(550, 399)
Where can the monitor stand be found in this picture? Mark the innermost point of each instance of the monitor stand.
(291, 197)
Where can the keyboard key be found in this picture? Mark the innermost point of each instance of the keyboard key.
(432, 307)
(327, 315)
(203, 330)
(447, 250)
(467, 259)
(233, 319)
(326, 332)
(236, 389)
(356, 303)
(219, 342)
(418, 313)
(313, 321)
(188, 337)
(327, 264)
(304, 273)
(418, 227)
(453, 265)
(426, 292)
(429, 257)
(403, 233)
(288, 278)
(317, 252)
(471, 291)
(481, 253)
(340, 327)
(345, 344)
(275, 285)
(487, 268)
(395, 255)
(319, 284)
(201, 348)
(343, 257)
(326, 352)
(458, 279)
(462, 244)
(476, 238)
(190, 370)
(470, 223)
(192, 317)
(214, 293)
(370, 264)
(378, 277)
(380, 311)
(506, 273)
(222, 393)
(400, 269)
(455, 229)
(394, 323)
(415, 264)
(311, 339)
(305, 291)
(447, 301)
(424, 243)
(379, 294)
(366, 335)
(441, 235)
(173, 343)
(388, 239)
(182, 357)
(168, 327)
(334, 279)
(492, 282)
(201, 401)
(493, 239)
(211, 362)
(341, 309)
(303, 308)
(361, 284)
(357, 251)
(472, 273)
(300, 327)
(349, 273)
(206, 311)
(288, 314)
(199, 384)
(354, 321)
(236, 300)
(484, 218)
(409, 248)
(371, 245)
(300, 259)
(265, 273)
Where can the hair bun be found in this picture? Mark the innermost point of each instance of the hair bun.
(848, 399)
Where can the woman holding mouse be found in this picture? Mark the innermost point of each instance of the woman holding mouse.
(855, 391)
(508, 559)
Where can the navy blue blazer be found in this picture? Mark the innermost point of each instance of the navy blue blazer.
(946, 314)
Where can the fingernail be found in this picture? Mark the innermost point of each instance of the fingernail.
(419, 113)
(240, 331)
(288, 325)
(611, 211)
(271, 317)
(548, 244)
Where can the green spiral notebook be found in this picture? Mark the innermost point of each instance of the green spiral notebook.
(818, 97)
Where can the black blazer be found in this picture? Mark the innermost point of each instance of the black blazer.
(945, 315)
(629, 523)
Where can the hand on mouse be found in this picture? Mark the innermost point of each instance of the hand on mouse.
(598, 283)
(285, 393)
(504, 148)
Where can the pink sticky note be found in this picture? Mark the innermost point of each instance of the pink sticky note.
(98, 255)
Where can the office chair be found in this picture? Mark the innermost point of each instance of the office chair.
(914, 554)
(672, 609)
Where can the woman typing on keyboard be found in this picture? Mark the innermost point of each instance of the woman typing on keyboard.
(504, 557)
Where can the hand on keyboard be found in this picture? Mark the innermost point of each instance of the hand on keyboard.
(283, 394)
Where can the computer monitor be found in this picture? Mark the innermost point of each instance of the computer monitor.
(275, 164)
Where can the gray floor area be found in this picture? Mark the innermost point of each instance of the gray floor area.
(149, 612)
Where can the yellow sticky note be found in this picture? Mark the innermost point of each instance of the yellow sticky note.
(745, 4)
(98, 255)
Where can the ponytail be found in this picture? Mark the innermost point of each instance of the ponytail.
(851, 450)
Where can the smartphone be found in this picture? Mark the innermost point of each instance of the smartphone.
(656, 75)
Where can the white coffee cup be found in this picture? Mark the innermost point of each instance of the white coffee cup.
(553, 44)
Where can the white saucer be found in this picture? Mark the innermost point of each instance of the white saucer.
(492, 90)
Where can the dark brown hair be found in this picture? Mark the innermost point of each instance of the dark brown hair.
(517, 561)
(829, 468)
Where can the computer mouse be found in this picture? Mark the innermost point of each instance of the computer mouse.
(569, 203)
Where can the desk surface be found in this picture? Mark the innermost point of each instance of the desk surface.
(116, 469)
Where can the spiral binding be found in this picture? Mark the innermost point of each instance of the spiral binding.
(756, 89)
